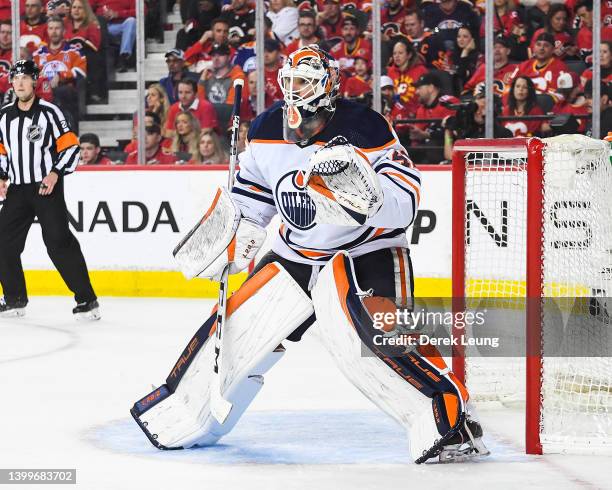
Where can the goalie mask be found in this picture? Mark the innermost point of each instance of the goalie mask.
(310, 81)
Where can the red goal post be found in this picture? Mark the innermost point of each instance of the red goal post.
(526, 174)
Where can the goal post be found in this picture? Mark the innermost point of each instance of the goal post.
(531, 226)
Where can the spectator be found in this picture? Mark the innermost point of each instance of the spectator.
(5, 10)
(248, 107)
(210, 150)
(544, 68)
(535, 16)
(569, 105)
(330, 21)
(272, 63)
(505, 19)
(245, 52)
(91, 153)
(359, 86)
(6, 46)
(83, 32)
(241, 19)
(60, 67)
(522, 101)
(556, 24)
(284, 17)
(584, 38)
(605, 124)
(195, 28)
(351, 46)
(387, 92)
(151, 119)
(432, 106)
(465, 58)
(474, 126)
(154, 153)
(189, 101)
(82, 27)
(186, 135)
(405, 70)
(414, 28)
(307, 29)
(175, 60)
(392, 15)
(605, 53)
(503, 69)
(198, 56)
(448, 15)
(120, 16)
(243, 131)
(158, 103)
(59, 8)
(217, 84)
(33, 28)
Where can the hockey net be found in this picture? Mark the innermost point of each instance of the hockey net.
(532, 246)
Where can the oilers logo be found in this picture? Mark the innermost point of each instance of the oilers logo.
(294, 203)
(52, 68)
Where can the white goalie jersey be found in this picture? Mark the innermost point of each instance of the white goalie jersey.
(272, 180)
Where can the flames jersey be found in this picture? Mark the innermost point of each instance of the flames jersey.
(271, 181)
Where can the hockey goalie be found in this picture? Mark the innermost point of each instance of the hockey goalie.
(346, 191)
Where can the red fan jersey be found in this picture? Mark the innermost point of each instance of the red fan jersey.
(562, 40)
(404, 85)
(162, 157)
(545, 77)
(356, 86)
(502, 24)
(346, 57)
(6, 56)
(523, 128)
(89, 36)
(33, 36)
(435, 111)
(502, 78)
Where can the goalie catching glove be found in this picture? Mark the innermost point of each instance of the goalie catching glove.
(343, 185)
(222, 236)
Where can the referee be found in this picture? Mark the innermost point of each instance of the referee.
(37, 149)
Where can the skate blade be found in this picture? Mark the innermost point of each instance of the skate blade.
(456, 454)
(16, 313)
(88, 316)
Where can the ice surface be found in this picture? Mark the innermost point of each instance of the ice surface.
(66, 390)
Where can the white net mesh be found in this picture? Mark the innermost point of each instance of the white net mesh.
(577, 275)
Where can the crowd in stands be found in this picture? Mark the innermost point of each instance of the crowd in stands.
(432, 59)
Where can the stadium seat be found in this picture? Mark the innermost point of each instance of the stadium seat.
(577, 66)
(546, 102)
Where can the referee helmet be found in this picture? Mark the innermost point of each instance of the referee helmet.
(24, 67)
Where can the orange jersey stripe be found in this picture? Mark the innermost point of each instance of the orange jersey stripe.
(404, 179)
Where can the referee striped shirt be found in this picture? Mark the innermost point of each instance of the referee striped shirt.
(35, 142)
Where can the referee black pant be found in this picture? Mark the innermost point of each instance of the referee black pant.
(22, 205)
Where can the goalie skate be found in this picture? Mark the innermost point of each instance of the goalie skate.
(464, 445)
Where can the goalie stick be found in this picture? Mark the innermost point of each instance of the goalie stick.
(219, 406)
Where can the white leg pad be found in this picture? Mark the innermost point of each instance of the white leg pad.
(374, 378)
(266, 309)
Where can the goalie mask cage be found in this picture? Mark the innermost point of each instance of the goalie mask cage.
(532, 219)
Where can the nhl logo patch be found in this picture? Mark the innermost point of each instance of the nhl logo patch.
(34, 133)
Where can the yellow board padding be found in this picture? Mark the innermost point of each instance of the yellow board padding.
(131, 283)
(173, 284)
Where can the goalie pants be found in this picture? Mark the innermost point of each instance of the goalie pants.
(388, 272)
(22, 205)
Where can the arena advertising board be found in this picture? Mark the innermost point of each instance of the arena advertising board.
(130, 220)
